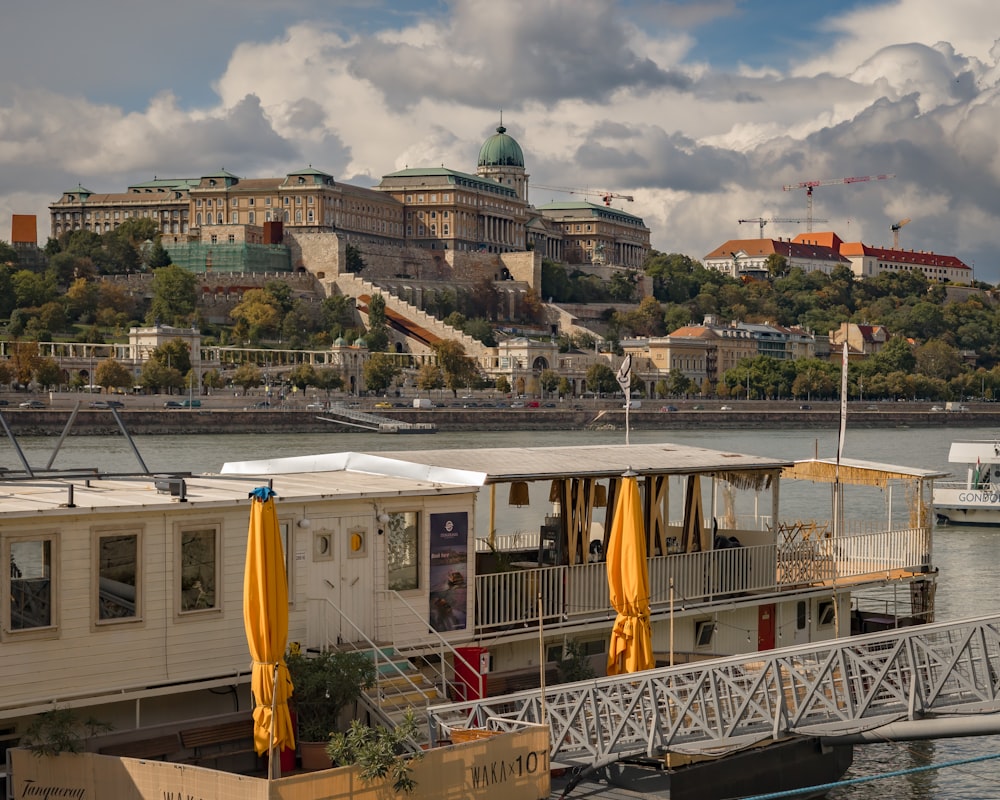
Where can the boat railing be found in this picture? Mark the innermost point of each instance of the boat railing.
(567, 593)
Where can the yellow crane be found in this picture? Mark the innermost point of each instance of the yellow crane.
(895, 232)
(605, 196)
(762, 222)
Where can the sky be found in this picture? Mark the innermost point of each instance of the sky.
(702, 111)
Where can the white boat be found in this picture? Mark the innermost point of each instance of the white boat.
(975, 498)
(124, 595)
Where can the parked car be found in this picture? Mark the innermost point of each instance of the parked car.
(668, 408)
(31, 404)
(805, 407)
(383, 404)
(726, 408)
(172, 404)
(4, 403)
(936, 408)
(314, 407)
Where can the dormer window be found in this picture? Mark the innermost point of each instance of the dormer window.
(211, 182)
(301, 180)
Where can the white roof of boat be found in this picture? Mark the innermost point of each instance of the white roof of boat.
(50, 494)
(505, 464)
(970, 451)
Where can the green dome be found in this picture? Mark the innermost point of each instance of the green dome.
(501, 150)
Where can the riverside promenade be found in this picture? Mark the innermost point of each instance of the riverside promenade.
(146, 416)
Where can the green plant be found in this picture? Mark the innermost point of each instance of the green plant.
(575, 666)
(378, 751)
(323, 685)
(60, 731)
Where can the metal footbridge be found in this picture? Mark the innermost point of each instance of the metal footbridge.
(921, 682)
(375, 422)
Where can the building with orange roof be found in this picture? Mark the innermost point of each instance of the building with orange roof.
(748, 258)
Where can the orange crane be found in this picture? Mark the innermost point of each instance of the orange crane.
(605, 196)
(810, 185)
(895, 232)
(762, 222)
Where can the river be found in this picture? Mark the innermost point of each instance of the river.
(967, 557)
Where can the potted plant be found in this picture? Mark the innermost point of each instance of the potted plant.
(323, 685)
(380, 752)
(61, 731)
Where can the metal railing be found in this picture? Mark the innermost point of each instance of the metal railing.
(509, 599)
(839, 689)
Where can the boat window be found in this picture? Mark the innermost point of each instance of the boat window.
(801, 618)
(199, 569)
(117, 576)
(402, 533)
(824, 614)
(32, 598)
(703, 632)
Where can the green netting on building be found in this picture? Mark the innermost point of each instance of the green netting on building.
(198, 257)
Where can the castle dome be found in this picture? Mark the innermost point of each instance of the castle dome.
(501, 150)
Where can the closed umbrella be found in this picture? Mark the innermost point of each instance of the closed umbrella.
(265, 617)
(631, 648)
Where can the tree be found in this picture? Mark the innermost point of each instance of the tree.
(247, 376)
(174, 296)
(601, 379)
(430, 377)
(260, 311)
(112, 374)
(158, 256)
(302, 377)
(501, 384)
(377, 337)
(156, 376)
(174, 353)
(459, 370)
(354, 261)
(565, 387)
(47, 373)
(380, 371)
(549, 381)
(212, 379)
(328, 380)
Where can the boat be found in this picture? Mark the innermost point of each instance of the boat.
(436, 564)
(975, 499)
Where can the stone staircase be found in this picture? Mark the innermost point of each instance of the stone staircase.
(353, 285)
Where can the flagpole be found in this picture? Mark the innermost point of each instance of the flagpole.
(624, 378)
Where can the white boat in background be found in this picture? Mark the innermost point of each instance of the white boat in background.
(975, 499)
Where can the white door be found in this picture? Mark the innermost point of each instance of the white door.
(340, 580)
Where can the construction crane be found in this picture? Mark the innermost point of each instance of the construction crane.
(810, 185)
(895, 232)
(605, 196)
(762, 222)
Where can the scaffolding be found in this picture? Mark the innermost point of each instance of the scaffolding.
(230, 257)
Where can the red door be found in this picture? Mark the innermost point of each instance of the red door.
(765, 627)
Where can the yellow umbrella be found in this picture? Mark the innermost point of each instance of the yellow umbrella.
(631, 648)
(265, 617)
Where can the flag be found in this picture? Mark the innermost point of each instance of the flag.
(624, 375)
(975, 475)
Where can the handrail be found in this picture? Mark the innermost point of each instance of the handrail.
(444, 644)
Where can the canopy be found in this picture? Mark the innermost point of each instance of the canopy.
(265, 617)
(631, 648)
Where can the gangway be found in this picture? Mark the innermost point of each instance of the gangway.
(376, 422)
(944, 676)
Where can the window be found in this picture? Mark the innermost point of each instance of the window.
(251, 217)
(234, 203)
(298, 200)
(310, 200)
(703, 632)
(199, 569)
(32, 602)
(215, 238)
(402, 533)
(117, 583)
(267, 201)
(232, 238)
(825, 614)
(250, 201)
(234, 218)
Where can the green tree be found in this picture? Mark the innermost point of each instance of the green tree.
(157, 376)
(458, 369)
(302, 377)
(175, 296)
(47, 373)
(501, 384)
(260, 311)
(377, 337)
(175, 353)
(328, 380)
(565, 387)
(548, 381)
(601, 379)
(380, 371)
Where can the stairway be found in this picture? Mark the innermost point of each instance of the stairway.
(400, 686)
